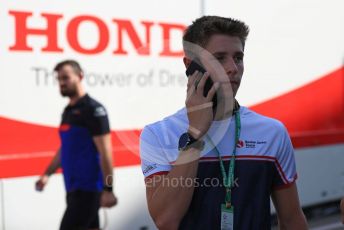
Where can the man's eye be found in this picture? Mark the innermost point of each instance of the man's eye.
(238, 59)
(220, 58)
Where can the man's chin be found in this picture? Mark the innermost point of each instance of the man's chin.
(227, 101)
(226, 95)
(64, 94)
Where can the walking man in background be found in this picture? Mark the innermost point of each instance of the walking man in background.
(215, 164)
(85, 154)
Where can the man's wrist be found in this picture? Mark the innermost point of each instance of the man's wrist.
(196, 135)
(198, 144)
(108, 188)
(46, 174)
(187, 141)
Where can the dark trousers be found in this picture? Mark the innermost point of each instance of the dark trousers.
(82, 211)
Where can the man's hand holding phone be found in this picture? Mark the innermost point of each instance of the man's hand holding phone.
(199, 106)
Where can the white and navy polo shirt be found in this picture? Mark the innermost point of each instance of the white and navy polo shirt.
(264, 162)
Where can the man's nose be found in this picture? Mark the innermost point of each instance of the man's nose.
(230, 66)
(62, 84)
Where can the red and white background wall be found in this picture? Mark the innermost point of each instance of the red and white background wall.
(132, 56)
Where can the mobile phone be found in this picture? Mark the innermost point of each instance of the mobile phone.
(195, 65)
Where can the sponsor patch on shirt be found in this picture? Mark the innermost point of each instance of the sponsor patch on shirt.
(149, 168)
(253, 144)
(64, 127)
(76, 112)
(99, 112)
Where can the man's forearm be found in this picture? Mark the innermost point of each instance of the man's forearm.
(297, 221)
(54, 164)
(107, 170)
(104, 147)
(170, 200)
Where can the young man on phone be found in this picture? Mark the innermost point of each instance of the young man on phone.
(85, 153)
(215, 164)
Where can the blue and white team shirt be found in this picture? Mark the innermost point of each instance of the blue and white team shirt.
(264, 162)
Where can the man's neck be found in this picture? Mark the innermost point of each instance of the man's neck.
(74, 99)
(223, 113)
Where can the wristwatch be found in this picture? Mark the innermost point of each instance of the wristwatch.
(187, 141)
(107, 188)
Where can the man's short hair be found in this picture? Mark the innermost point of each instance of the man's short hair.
(74, 64)
(200, 31)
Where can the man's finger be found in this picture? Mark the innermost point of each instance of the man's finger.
(212, 91)
(200, 107)
(200, 87)
(192, 89)
(192, 79)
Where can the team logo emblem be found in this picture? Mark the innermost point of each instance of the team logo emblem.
(240, 144)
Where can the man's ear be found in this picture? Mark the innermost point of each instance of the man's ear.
(81, 76)
(186, 61)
